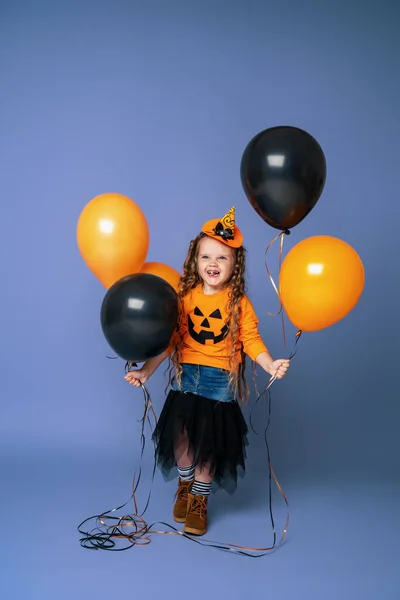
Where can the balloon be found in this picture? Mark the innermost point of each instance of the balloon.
(113, 237)
(138, 316)
(321, 281)
(164, 271)
(283, 173)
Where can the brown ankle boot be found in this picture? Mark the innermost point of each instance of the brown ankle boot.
(196, 518)
(181, 500)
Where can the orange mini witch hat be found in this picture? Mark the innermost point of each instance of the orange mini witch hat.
(224, 230)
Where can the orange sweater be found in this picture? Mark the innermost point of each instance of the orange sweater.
(205, 334)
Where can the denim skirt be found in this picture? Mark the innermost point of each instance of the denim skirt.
(210, 382)
(203, 418)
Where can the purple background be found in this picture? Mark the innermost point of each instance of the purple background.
(157, 100)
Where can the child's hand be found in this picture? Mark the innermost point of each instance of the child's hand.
(280, 367)
(137, 378)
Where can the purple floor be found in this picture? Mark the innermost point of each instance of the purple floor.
(341, 542)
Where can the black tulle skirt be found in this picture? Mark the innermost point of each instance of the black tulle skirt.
(216, 434)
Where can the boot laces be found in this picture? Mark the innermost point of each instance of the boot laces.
(198, 505)
(183, 490)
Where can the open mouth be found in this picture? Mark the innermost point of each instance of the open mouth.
(213, 273)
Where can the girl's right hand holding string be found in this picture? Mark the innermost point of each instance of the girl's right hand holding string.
(138, 377)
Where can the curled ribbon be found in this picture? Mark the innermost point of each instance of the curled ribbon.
(135, 531)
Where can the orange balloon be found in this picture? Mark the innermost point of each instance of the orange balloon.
(321, 281)
(113, 237)
(164, 271)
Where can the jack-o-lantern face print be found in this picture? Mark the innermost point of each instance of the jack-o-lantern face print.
(205, 328)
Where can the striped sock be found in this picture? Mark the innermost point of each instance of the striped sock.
(186, 473)
(200, 488)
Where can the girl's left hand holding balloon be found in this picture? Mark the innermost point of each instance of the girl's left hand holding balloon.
(275, 368)
(280, 367)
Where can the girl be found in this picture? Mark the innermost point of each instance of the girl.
(201, 428)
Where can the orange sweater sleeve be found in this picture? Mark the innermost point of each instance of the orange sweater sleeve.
(250, 337)
(181, 329)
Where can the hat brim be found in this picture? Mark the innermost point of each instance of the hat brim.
(208, 229)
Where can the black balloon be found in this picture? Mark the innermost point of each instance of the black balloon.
(283, 173)
(138, 316)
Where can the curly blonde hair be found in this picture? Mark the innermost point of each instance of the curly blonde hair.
(189, 280)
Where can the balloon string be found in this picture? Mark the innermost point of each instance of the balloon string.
(281, 235)
(274, 378)
(111, 528)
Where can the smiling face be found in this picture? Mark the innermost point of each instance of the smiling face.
(215, 262)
